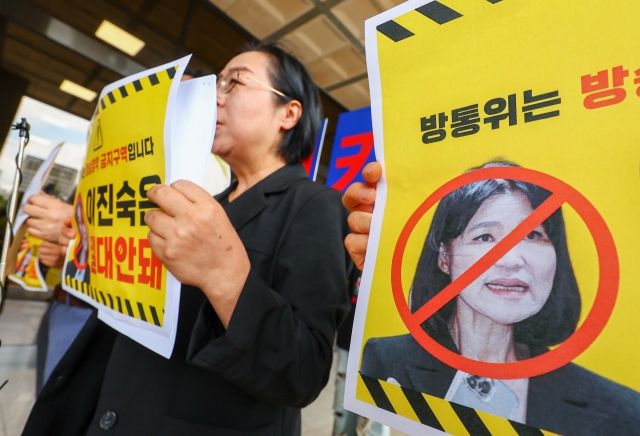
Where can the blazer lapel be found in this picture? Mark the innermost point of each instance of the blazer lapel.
(432, 382)
(245, 207)
(428, 374)
(432, 378)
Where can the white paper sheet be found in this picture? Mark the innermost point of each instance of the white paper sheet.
(36, 185)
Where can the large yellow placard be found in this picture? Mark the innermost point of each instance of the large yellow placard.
(148, 128)
(546, 93)
(111, 260)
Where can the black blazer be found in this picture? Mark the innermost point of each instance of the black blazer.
(567, 401)
(275, 356)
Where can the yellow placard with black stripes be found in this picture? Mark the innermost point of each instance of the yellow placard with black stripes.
(110, 263)
(499, 290)
(28, 273)
(446, 416)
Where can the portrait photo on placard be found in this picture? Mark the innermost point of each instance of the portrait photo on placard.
(498, 288)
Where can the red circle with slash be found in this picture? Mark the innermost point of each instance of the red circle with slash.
(571, 348)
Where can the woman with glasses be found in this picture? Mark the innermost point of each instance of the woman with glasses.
(264, 275)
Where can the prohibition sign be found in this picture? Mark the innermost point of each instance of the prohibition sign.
(571, 348)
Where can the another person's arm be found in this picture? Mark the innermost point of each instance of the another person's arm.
(359, 199)
(51, 255)
(47, 215)
(67, 233)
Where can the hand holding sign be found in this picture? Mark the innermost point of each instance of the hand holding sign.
(46, 216)
(359, 199)
(193, 237)
(67, 233)
(50, 255)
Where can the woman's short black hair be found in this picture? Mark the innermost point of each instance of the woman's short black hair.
(557, 319)
(289, 76)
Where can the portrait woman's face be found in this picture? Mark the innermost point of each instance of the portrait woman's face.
(518, 285)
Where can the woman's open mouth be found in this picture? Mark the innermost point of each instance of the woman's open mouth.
(511, 287)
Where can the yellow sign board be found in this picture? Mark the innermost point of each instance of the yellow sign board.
(28, 273)
(501, 272)
(135, 142)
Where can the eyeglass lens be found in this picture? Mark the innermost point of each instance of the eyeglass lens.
(228, 82)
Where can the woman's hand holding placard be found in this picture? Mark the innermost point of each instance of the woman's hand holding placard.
(193, 237)
(359, 199)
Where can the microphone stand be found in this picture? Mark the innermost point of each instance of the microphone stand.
(23, 127)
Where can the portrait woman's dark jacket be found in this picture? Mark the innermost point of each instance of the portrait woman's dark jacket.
(569, 401)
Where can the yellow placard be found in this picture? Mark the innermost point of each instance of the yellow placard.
(147, 129)
(27, 273)
(110, 262)
(469, 96)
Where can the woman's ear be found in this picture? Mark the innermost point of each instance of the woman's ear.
(444, 259)
(291, 113)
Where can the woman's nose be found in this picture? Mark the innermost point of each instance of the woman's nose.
(514, 259)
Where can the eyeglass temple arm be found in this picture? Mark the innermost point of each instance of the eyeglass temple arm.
(265, 85)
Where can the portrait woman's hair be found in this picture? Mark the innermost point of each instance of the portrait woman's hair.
(81, 250)
(291, 78)
(557, 319)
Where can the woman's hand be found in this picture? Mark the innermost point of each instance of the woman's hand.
(193, 237)
(66, 235)
(50, 254)
(46, 216)
(359, 199)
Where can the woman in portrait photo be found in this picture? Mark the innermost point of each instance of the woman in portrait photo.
(525, 303)
(77, 267)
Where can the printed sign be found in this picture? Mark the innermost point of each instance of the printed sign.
(498, 294)
(352, 149)
(26, 272)
(36, 184)
(147, 129)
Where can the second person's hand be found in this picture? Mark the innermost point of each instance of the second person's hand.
(359, 198)
(46, 216)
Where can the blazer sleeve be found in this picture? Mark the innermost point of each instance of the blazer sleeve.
(278, 344)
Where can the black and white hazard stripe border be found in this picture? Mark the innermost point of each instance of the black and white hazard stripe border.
(134, 309)
(135, 86)
(435, 11)
(443, 415)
